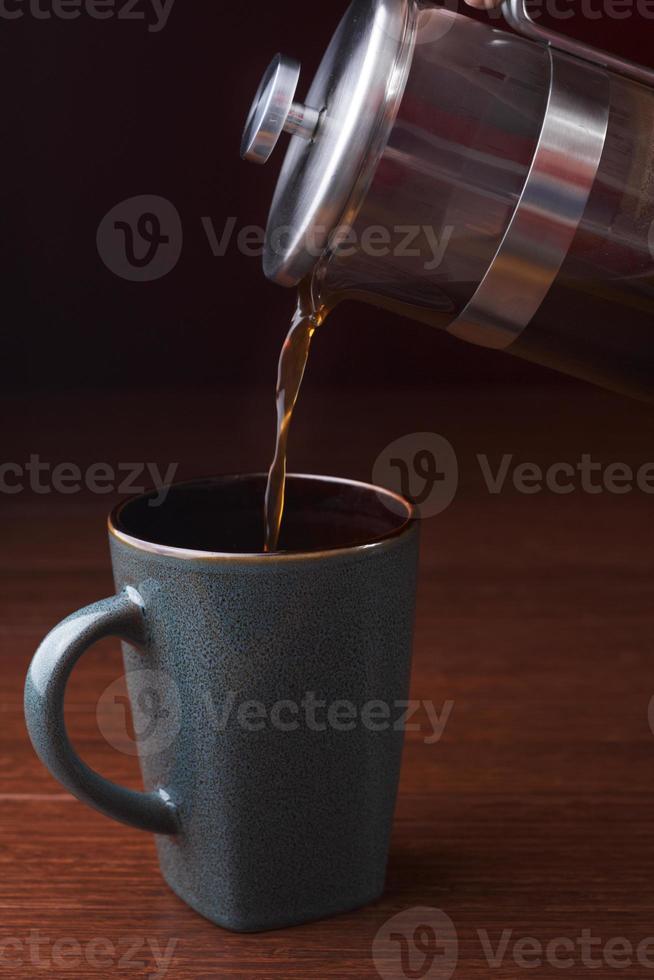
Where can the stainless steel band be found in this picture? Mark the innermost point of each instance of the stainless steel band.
(550, 209)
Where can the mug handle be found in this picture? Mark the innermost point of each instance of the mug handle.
(45, 688)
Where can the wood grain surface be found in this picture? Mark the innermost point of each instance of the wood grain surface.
(532, 817)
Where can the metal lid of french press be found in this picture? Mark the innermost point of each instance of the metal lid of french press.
(337, 135)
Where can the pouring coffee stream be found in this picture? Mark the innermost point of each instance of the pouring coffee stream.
(292, 365)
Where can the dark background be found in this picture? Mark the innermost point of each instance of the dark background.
(95, 112)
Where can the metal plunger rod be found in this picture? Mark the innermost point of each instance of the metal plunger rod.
(302, 121)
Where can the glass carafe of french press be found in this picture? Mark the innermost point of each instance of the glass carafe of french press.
(499, 187)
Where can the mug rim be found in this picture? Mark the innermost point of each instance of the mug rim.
(190, 554)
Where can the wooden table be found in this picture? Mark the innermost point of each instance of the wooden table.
(533, 816)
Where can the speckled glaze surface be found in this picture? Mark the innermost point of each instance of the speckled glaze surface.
(263, 821)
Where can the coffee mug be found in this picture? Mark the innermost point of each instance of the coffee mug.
(260, 686)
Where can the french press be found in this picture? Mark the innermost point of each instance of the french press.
(500, 187)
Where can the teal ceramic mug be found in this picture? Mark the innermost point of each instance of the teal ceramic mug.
(264, 687)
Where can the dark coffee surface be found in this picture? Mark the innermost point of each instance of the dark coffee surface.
(227, 515)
